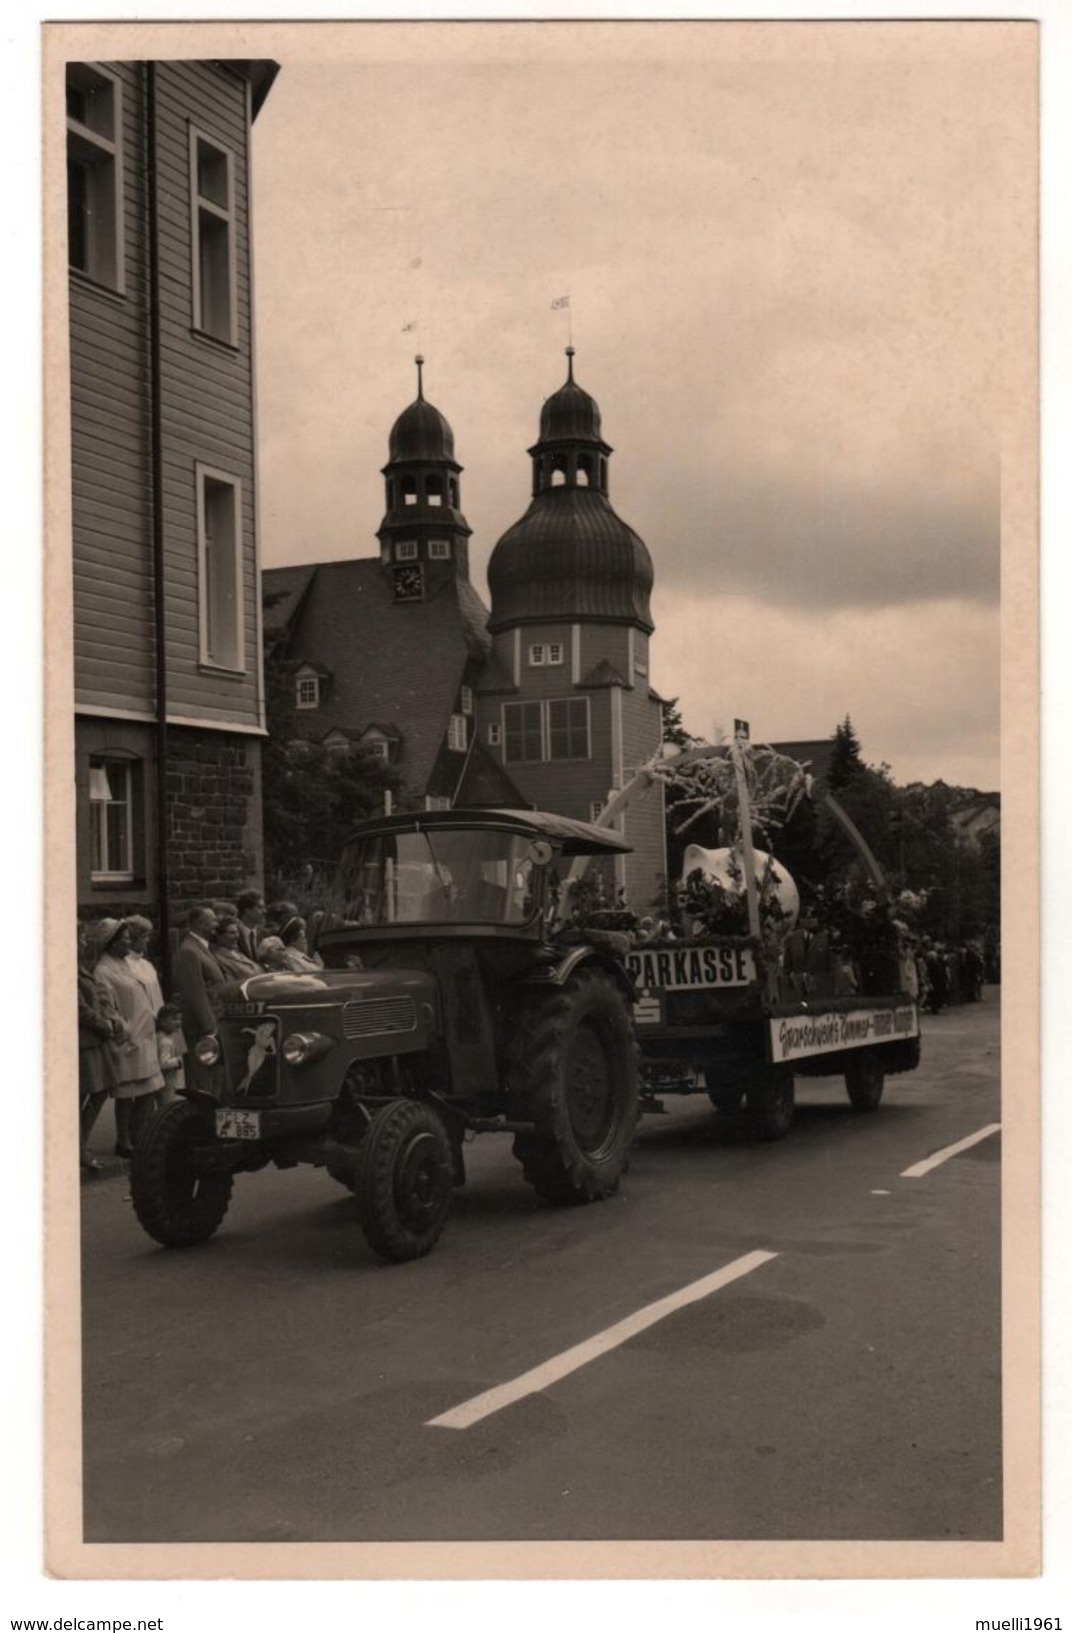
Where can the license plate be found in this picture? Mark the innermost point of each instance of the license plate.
(238, 1125)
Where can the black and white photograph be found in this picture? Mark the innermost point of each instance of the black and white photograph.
(535, 514)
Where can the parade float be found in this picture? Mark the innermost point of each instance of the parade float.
(740, 991)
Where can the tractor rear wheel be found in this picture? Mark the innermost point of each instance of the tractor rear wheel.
(579, 1082)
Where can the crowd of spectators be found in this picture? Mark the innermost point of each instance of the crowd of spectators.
(131, 1043)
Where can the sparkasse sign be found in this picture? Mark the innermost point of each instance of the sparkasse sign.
(673, 968)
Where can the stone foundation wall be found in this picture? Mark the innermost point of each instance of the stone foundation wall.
(213, 801)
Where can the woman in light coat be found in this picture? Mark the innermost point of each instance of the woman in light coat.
(135, 1062)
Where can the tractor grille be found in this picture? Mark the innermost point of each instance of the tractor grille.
(372, 1017)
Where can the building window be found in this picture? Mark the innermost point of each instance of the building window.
(467, 700)
(409, 491)
(433, 490)
(553, 730)
(212, 210)
(308, 692)
(219, 538)
(567, 728)
(436, 802)
(111, 820)
(595, 810)
(406, 550)
(523, 730)
(376, 748)
(458, 733)
(438, 549)
(95, 174)
(494, 735)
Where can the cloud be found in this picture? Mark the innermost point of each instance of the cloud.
(920, 682)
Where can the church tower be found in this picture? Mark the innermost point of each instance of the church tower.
(566, 702)
(424, 538)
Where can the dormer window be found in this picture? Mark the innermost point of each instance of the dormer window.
(307, 692)
(543, 653)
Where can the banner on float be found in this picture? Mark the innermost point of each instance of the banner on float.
(794, 1037)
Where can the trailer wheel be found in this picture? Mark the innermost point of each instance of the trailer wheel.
(865, 1078)
(579, 1082)
(769, 1101)
(724, 1087)
(177, 1203)
(404, 1180)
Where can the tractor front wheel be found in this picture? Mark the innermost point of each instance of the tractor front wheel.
(404, 1178)
(176, 1199)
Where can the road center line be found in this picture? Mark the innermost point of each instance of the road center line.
(918, 1169)
(559, 1366)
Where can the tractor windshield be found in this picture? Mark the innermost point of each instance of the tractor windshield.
(440, 876)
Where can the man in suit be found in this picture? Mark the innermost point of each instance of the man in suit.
(197, 976)
(251, 917)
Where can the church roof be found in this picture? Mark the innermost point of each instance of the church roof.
(389, 660)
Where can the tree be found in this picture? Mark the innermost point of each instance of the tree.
(673, 726)
(846, 760)
(312, 795)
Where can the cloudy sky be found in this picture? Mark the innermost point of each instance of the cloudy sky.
(783, 252)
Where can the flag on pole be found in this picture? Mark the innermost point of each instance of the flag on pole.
(407, 328)
(563, 300)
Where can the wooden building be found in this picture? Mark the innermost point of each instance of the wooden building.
(167, 642)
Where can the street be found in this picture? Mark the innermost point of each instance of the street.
(278, 1383)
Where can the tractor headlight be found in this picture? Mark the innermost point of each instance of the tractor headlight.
(302, 1047)
(207, 1050)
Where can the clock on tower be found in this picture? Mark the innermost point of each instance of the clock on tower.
(409, 583)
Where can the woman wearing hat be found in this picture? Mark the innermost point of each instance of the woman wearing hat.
(137, 1078)
(297, 956)
(228, 953)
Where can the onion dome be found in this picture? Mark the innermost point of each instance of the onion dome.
(570, 557)
(420, 431)
(570, 414)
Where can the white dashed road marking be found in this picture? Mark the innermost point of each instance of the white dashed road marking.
(918, 1169)
(560, 1366)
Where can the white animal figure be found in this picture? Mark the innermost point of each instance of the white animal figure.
(726, 866)
(262, 1046)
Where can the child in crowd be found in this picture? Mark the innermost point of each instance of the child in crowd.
(168, 1043)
